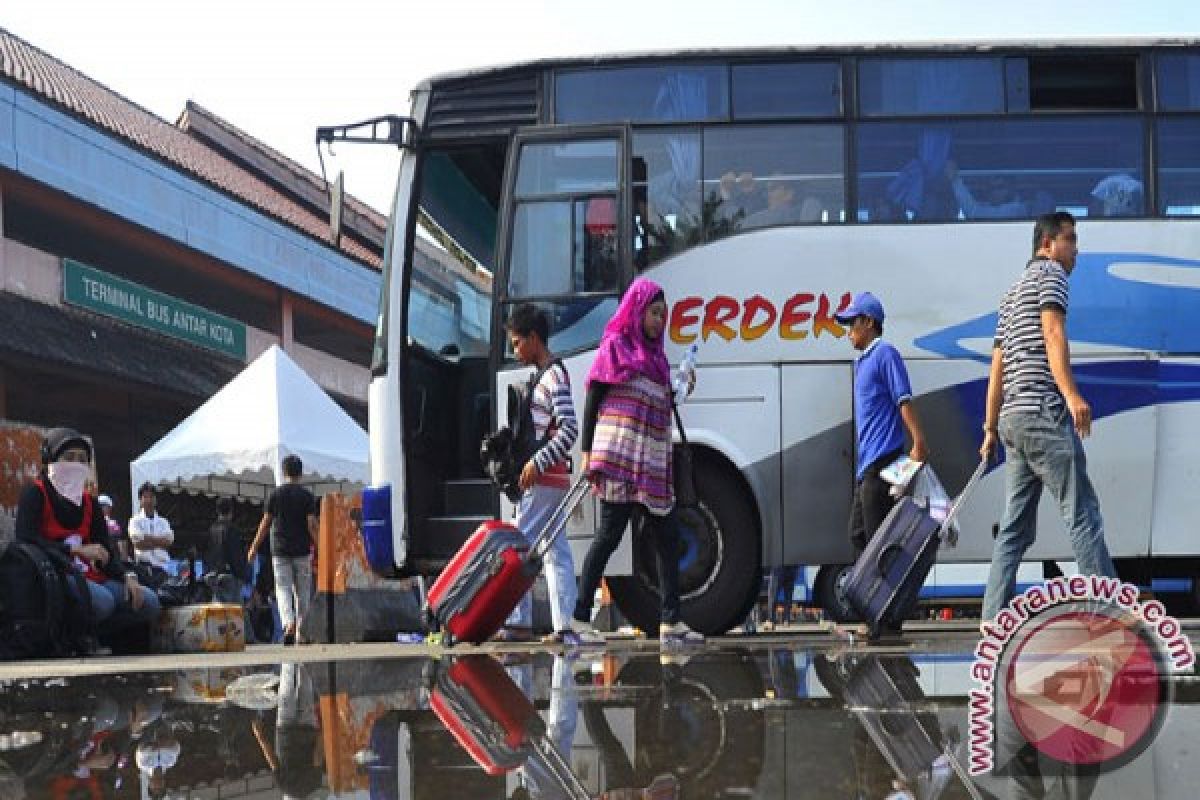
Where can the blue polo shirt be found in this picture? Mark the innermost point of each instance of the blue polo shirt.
(880, 386)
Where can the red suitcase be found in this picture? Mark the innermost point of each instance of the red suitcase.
(485, 712)
(486, 579)
(492, 719)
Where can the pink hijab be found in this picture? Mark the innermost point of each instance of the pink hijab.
(624, 351)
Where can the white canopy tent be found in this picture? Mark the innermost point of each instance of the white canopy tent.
(235, 443)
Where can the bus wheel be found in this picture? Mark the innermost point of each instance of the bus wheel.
(830, 579)
(719, 573)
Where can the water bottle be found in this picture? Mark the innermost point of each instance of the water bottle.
(687, 368)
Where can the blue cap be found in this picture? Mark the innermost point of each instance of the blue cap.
(863, 304)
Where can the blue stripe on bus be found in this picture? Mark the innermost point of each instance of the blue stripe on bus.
(952, 590)
(962, 590)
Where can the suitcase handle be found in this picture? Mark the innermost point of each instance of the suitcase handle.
(956, 506)
(558, 520)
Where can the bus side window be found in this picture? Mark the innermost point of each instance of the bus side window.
(1000, 169)
(666, 194)
(1178, 182)
(596, 255)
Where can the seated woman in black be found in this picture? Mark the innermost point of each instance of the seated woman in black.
(55, 512)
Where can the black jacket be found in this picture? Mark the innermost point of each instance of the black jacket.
(33, 504)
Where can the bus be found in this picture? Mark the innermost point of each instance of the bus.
(762, 188)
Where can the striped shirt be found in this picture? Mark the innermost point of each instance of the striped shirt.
(553, 411)
(631, 449)
(1027, 379)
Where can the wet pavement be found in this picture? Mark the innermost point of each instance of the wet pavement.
(785, 716)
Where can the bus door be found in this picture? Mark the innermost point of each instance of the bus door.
(565, 246)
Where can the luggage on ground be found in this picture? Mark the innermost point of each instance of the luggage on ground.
(201, 628)
(492, 571)
(493, 720)
(39, 616)
(884, 582)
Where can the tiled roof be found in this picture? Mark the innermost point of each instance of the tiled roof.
(34, 70)
(299, 178)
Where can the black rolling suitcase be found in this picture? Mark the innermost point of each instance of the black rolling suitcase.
(885, 696)
(887, 699)
(884, 582)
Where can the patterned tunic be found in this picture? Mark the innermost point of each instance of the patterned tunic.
(631, 450)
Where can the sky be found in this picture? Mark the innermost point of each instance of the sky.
(279, 68)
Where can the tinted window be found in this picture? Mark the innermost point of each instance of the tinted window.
(562, 167)
(642, 94)
(449, 313)
(563, 247)
(931, 86)
(1178, 81)
(1000, 169)
(450, 294)
(666, 194)
(1178, 176)
(1082, 82)
(756, 177)
(787, 90)
(541, 250)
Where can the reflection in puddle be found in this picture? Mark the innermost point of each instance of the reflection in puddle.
(736, 722)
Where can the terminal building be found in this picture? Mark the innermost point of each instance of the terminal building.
(144, 263)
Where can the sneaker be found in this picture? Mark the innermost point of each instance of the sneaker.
(586, 635)
(679, 633)
(514, 635)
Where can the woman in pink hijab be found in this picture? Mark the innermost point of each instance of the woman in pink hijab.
(626, 443)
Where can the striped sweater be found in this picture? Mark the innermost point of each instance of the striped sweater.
(553, 411)
(631, 445)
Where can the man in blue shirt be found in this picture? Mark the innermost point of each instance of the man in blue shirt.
(882, 411)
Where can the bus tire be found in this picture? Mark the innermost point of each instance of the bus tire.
(720, 573)
(832, 600)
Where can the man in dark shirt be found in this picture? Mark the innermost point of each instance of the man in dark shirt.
(291, 516)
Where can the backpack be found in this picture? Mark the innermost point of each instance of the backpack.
(39, 617)
(503, 454)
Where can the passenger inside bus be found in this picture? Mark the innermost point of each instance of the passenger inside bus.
(740, 193)
(923, 190)
(997, 200)
(1119, 195)
(782, 208)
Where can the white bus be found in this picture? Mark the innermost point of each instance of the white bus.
(761, 188)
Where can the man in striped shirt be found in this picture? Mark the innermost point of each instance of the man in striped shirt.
(546, 477)
(1034, 407)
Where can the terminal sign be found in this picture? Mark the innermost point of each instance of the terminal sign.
(130, 302)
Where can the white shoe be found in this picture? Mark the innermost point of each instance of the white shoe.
(679, 633)
(587, 635)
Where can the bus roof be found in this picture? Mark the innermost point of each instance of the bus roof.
(802, 51)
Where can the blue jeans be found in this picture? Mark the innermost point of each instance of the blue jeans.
(109, 597)
(1043, 450)
(536, 506)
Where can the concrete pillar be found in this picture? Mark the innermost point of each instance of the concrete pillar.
(285, 322)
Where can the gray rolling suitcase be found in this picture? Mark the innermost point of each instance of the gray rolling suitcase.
(884, 582)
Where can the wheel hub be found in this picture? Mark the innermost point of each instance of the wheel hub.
(701, 551)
